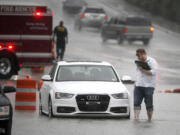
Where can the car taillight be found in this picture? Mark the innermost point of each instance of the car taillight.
(106, 17)
(82, 15)
(125, 30)
(152, 29)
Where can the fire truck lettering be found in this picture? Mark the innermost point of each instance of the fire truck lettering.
(6, 9)
(38, 28)
(25, 9)
(22, 9)
(29, 24)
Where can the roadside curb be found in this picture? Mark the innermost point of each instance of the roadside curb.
(177, 90)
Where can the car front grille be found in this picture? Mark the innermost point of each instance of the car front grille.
(90, 103)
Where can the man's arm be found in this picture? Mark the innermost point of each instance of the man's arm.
(145, 71)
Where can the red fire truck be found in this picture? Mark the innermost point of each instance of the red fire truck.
(25, 38)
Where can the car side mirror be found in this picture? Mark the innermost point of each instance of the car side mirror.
(127, 79)
(46, 78)
(8, 89)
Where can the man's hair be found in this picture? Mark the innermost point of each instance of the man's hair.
(61, 23)
(140, 51)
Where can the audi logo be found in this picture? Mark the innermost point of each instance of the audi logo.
(93, 97)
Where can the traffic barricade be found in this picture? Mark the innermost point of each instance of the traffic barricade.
(168, 91)
(25, 94)
(177, 90)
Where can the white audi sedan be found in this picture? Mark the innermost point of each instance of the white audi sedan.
(83, 88)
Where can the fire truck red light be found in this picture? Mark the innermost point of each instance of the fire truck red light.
(52, 13)
(38, 13)
(10, 47)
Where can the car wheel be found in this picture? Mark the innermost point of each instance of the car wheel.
(120, 40)
(79, 27)
(130, 41)
(146, 41)
(104, 39)
(8, 128)
(6, 67)
(50, 114)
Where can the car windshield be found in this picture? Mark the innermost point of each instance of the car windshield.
(86, 73)
(138, 21)
(81, 2)
(94, 10)
(116, 21)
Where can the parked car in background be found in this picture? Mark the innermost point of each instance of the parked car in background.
(74, 6)
(6, 111)
(84, 88)
(130, 28)
(90, 17)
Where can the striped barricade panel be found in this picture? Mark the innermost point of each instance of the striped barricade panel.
(26, 95)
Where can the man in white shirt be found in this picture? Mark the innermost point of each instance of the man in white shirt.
(145, 84)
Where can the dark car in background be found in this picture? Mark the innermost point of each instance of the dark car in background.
(6, 111)
(90, 17)
(74, 6)
(113, 29)
(130, 28)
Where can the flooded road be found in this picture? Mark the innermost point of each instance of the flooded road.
(87, 44)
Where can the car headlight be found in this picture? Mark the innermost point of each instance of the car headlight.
(120, 96)
(60, 95)
(4, 110)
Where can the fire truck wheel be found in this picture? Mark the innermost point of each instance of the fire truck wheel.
(6, 67)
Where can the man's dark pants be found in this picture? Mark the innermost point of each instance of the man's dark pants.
(145, 93)
(60, 49)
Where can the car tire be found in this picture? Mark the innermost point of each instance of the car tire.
(146, 41)
(104, 39)
(6, 67)
(64, 8)
(130, 41)
(8, 128)
(79, 27)
(50, 112)
(128, 117)
(120, 40)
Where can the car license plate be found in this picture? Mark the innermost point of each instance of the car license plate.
(111, 32)
(139, 37)
(92, 103)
